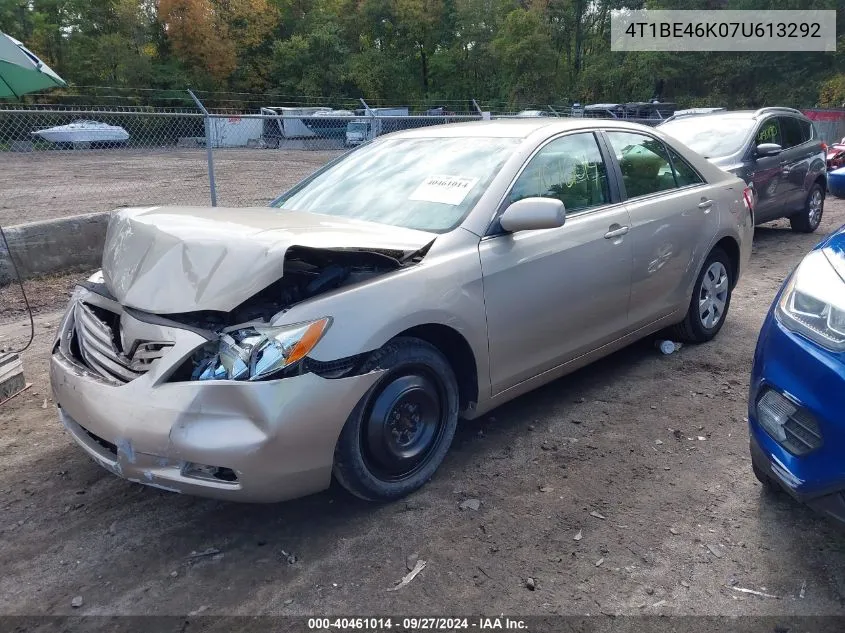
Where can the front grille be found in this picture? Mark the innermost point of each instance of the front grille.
(98, 345)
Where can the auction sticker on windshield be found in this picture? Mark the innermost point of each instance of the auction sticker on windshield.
(444, 189)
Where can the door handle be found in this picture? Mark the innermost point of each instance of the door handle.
(705, 204)
(619, 231)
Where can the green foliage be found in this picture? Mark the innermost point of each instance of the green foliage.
(509, 53)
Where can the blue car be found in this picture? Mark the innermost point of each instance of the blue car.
(796, 406)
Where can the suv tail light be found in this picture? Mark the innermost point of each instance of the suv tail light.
(824, 147)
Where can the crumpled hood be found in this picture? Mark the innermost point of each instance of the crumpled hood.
(168, 260)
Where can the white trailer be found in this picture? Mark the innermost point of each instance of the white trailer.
(289, 125)
(235, 131)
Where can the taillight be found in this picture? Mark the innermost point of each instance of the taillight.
(824, 147)
(748, 198)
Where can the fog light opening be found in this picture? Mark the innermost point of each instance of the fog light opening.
(788, 423)
(209, 473)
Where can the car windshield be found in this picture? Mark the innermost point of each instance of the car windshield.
(428, 184)
(711, 136)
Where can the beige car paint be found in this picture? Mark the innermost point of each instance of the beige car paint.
(531, 306)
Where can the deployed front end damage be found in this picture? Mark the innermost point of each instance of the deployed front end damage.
(209, 398)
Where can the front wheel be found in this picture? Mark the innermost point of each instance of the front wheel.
(398, 434)
(769, 485)
(711, 299)
(808, 220)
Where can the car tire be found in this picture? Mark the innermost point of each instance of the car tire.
(808, 220)
(400, 431)
(769, 485)
(710, 302)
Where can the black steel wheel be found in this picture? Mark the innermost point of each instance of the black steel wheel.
(400, 431)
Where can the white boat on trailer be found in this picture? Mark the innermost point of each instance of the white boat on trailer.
(84, 133)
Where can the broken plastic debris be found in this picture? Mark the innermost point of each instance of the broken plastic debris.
(714, 550)
(597, 515)
(578, 536)
(470, 504)
(753, 592)
(599, 562)
(546, 489)
(409, 576)
(211, 551)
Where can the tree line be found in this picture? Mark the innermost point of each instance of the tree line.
(511, 53)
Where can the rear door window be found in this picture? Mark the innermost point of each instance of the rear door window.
(644, 161)
(791, 132)
(684, 173)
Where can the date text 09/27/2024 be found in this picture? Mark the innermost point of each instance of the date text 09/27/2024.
(400, 624)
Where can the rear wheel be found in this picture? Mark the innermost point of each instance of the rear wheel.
(398, 434)
(711, 299)
(808, 220)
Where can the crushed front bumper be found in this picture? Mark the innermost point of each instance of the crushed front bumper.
(275, 439)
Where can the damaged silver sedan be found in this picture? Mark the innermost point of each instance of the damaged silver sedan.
(251, 354)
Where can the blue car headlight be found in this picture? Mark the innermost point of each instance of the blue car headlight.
(813, 303)
(258, 352)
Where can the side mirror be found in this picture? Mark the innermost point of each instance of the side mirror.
(768, 149)
(533, 213)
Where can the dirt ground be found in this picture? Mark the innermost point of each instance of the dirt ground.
(74, 182)
(669, 523)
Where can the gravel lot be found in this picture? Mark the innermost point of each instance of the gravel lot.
(668, 524)
(73, 182)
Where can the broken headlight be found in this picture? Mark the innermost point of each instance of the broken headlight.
(258, 352)
(813, 302)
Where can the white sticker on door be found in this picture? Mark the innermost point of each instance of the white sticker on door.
(444, 189)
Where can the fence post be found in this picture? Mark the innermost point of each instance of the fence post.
(372, 125)
(211, 183)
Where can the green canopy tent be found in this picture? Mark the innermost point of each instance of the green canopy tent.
(21, 71)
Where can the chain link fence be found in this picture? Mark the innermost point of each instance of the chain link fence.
(60, 161)
(57, 161)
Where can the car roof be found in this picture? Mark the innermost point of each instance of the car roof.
(514, 128)
(736, 114)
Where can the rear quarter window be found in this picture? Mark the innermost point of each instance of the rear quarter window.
(808, 130)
